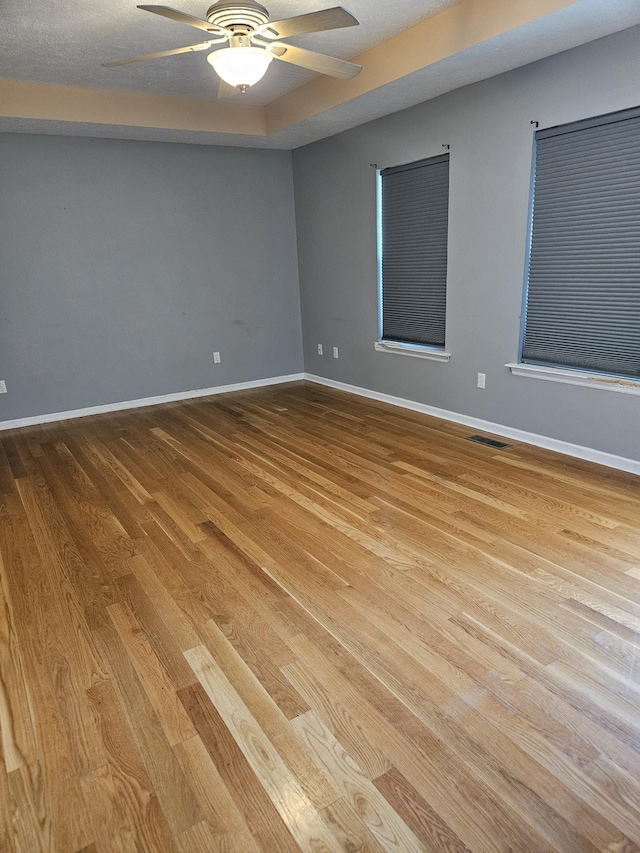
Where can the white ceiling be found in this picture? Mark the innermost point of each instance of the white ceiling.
(68, 44)
(67, 41)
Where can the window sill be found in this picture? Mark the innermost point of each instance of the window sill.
(412, 350)
(576, 377)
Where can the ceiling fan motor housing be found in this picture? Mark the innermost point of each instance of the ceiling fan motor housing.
(240, 16)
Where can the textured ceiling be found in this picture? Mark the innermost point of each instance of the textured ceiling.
(67, 45)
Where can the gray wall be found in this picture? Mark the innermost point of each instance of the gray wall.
(124, 265)
(488, 128)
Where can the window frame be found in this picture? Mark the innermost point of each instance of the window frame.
(432, 352)
(529, 367)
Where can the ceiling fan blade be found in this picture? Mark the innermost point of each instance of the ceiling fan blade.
(226, 90)
(182, 18)
(190, 48)
(314, 22)
(314, 61)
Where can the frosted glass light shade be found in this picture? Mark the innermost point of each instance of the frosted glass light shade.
(240, 66)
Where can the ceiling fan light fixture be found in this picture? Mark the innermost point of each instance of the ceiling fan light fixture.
(240, 66)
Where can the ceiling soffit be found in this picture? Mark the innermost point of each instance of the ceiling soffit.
(462, 37)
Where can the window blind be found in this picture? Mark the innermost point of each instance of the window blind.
(583, 294)
(415, 208)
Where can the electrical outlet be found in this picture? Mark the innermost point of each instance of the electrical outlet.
(216, 358)
(335, 352)
(320, 352)
(3, 386)
(482, 378)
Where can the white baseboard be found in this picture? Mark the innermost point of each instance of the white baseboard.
(147, 401)
(589, 454)
(621, 463)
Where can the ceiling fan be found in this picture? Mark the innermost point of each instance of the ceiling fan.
(254, 41)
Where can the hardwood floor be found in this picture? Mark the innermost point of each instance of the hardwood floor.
(292, 619)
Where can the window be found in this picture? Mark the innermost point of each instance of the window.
(414, 207)
(583, 288)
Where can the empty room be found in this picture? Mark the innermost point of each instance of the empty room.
(320, 427)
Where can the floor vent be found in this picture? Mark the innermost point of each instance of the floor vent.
(490, 442)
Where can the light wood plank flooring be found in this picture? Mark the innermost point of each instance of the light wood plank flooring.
(291, 619)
